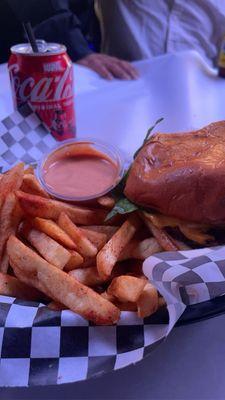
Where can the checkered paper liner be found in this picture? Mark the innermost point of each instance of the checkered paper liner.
(23, 137)
(41, 347)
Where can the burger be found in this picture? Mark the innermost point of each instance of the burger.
(182, 176)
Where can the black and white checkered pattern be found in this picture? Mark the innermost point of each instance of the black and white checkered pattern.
(49, 347)
(23, 137)
(40, 347)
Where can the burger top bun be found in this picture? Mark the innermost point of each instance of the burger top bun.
(182, 175)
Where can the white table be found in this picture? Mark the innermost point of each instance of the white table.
(188, 94)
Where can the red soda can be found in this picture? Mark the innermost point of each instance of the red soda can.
(45, 80)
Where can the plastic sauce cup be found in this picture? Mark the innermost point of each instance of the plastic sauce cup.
(81, 170)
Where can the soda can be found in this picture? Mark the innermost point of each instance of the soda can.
(45, 80)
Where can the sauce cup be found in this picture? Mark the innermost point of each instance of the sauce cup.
(80, 170)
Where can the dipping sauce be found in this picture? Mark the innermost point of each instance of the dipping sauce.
(79, 171)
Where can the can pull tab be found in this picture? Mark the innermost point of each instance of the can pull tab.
(42, 46)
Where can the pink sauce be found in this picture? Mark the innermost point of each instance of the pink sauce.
(77, 175)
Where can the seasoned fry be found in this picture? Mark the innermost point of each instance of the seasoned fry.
(53, 230)
(126, 288)
(107, 230)
(11, 286)
(75, 261)
(84, 246)
(4, 265)
(162, 237)
(88, 262)
(29, 170)
(181, 245)
(162, 302)
(109, 255)
(108, 297)
(88, 276)
(61, 287)
(148, 301)
(98, 239)
(31, 185)
(38, 206)
(6, 220)
(11, 181)
(140, 250)
(28, 278)
(126, 306)
(106, 201)
(53, 305)
(52, 251)
(123, 306)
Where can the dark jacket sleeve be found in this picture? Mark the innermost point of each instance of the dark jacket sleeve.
(64, 28)
(53, 21)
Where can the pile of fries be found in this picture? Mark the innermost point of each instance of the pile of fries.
(68, 257)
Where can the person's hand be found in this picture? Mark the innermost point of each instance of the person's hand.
(109, 67)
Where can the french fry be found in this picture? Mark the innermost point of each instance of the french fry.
(31, 185)
(126, 288)
(126, 306)
(54, 306)
(60, 286)
(88, 262)
(11, 286)
(6, 220)
(123, 306)
(98, 239)
(109, 254)
(10, 217)
(107, 230)
(4, 264)
(106, 201)
(53, 230)
(148, 301)
(140, 250)
(47, 247)
(75, 261)
(181, 245)
(134, 269)
(29, 278)
(108, 296)
(162, 237)
(38, 206)
(29, 170)
(11, 181)
(88, 276)
(84, 246)
(162, 302)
